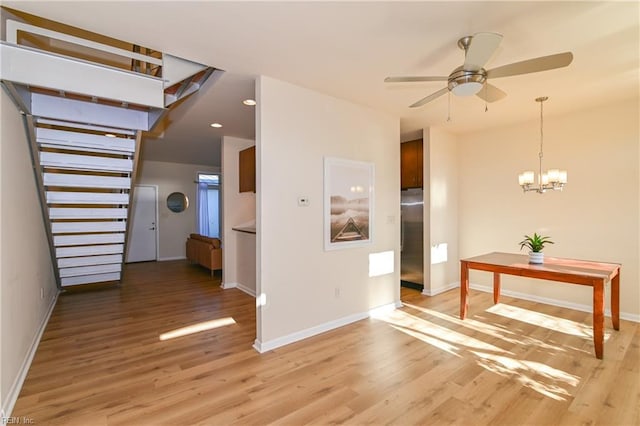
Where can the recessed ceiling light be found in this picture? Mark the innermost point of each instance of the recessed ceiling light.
(249, 102)
(110, 135)
(216, 125)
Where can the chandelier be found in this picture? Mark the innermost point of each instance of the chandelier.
(553, 179)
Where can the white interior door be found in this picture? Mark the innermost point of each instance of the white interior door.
(142, 239)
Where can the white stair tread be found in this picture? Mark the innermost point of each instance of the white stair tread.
(87, 239)
(83, 126)
(84, 162)
(87, 213)
(80, 141)
(90, 270)
(71, 262)
(97, 226)
(89, 250)
(96, 150)
(88, 279)
(86, 181)
(60, 197)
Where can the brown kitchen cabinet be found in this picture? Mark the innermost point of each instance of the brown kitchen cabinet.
(247, 169)
(411, 164)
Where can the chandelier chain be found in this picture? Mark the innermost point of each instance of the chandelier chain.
(541, 127)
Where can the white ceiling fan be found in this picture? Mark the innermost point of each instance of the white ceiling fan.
(471, 78)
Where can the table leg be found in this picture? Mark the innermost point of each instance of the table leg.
(496, 287)
(598, 318)
(464, 289)
(615, 301)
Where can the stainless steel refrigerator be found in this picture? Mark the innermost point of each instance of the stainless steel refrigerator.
(411, 243)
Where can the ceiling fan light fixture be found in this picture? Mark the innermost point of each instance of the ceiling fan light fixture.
(466, 83)
(467, 89)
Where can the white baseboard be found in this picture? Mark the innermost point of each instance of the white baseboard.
(225, 286)
(165, 259)
(14, 391)
(312, 331)
(249, 291)
(553, 302)
(429, 292)
(239, 286)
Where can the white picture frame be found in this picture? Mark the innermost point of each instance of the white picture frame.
(348, 203)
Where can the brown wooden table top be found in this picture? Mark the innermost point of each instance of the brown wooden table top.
(551, 264)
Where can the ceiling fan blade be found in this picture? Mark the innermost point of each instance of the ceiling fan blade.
(490, 93)
(481, 47)
(429, 98)
(413, 79)
(543, 63)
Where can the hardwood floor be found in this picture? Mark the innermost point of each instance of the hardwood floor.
(102, 361)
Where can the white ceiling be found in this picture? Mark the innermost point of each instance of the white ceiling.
(346, 49)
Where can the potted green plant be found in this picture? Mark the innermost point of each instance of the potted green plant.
(535, 244)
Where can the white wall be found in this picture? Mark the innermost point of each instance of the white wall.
(238, 209)
(173, 228)
(596, 216)
(306, 289)
(441, 171)
(25, 260)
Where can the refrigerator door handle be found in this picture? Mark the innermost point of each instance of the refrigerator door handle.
(401, 232)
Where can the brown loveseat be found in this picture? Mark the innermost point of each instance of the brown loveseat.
(204, 251)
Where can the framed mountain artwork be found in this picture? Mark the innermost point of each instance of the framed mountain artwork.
(348, 203)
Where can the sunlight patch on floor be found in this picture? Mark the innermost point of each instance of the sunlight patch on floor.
(434, 334)
(543, 320)
(197, 328)
(542, 378)
(440, 344)
(552, 384)
(488, 329)
(470, 323)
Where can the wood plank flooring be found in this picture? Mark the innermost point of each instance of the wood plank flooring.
(102, 362)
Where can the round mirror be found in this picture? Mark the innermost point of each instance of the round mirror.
(177, 202)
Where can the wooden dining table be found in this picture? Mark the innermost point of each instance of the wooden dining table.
(571, 271)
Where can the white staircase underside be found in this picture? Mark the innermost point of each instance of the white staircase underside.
(84, 113)
(24, 65)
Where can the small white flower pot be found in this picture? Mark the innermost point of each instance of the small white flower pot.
(536, 258)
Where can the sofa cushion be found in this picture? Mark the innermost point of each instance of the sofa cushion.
(215, 242)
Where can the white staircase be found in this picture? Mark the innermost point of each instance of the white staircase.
(84, 123)
(86, 177)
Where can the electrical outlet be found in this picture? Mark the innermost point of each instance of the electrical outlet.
(41, 293)
(337, 292)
